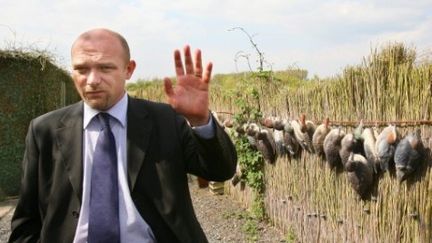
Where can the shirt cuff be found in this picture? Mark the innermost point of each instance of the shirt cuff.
(205, 131)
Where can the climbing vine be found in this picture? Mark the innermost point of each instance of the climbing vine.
(248, 93)
(251, 163)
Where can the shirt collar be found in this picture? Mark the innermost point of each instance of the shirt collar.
(118, 111)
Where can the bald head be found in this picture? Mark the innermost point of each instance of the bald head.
(101, 34)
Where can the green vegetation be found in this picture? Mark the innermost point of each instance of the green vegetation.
(390, 84)
(30, 85)
(290, 236)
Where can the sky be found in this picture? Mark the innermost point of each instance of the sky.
(322, 37)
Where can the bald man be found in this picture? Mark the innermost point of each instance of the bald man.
(153, 147)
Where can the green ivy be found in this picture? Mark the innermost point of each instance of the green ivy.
(250, 160)
(30, 85)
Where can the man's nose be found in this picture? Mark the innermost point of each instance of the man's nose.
(93, 78)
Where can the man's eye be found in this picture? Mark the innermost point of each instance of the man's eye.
(81, 70)
(105, 68)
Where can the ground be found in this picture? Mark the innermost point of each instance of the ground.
(222, 219)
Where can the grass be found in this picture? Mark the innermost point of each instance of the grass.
(388, 85)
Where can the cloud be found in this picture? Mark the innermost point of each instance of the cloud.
(322, 36)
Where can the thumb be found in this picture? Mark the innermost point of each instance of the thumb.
(169, 91)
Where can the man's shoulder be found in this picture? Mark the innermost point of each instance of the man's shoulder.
(57, 115)
(150, 106)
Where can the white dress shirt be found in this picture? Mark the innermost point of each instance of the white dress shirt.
(133, 228)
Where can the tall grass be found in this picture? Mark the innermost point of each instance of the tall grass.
(302, 195)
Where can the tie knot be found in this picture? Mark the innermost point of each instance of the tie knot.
(104, 119)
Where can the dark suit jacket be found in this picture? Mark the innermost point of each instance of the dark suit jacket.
(161, 149)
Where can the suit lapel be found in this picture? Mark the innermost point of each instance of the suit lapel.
(69, 138)
(138, 135)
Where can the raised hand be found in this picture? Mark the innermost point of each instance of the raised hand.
(190, 96)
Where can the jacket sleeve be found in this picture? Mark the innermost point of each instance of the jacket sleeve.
(26, 222)
(214, 159)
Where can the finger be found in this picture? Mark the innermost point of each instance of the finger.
(178, 63)
(198, 64)
(169, 91)
(188, 60)
(207, 73)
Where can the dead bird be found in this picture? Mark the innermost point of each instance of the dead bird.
(408, 155)
(385, 145)
(351, 143)
(228, 123)
(278, 136)
(371, 154)
(332, 145)
(290, 142)
(266, 145)
(278, 124)
(251, 133)
(360, 174)
(237, 176)
(303, 131)
(318, 137)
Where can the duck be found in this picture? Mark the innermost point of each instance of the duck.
(351, 143)
(266, 145)
(385, 146)
(228, 123)
(267, 122)
(252, 130)
(290, 142)
(408, 155)
(360, 174)
(370, 152)
(241, 128)
(264, 142)
(332, 145)
(303, 131)
(278, 136)
(319, 135)
(237, 176)
(279, 124)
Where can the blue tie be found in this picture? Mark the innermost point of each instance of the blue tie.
(104, 225)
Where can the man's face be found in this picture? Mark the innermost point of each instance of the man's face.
(100, 70)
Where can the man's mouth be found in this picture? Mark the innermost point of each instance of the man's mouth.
(93, 93)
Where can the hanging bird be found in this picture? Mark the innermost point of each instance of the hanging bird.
(278, 136)
(303, 131)
(267, 122)
(228, 123)
(318, 137)
(358, 131)
(386, 145)
(369, 148)
(241, 128)
(266, 145)
(237, 176)
(332, 145)
(278, 124)
(360, 174)
(408, 155)
(252, 130)
(290, 142)
(350, 143)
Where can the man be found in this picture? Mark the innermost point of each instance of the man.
(152, 147)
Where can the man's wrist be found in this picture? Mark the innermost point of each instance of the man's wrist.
(200, 121)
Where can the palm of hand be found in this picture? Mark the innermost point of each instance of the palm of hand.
(189, 97)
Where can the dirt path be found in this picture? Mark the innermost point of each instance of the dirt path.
(222, 219)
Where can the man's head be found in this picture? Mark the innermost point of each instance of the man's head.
(100, 67)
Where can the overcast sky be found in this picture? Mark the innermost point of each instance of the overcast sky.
(320, 36)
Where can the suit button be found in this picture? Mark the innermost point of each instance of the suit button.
(75, 214)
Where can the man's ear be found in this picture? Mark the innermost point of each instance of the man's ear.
(130, 69)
